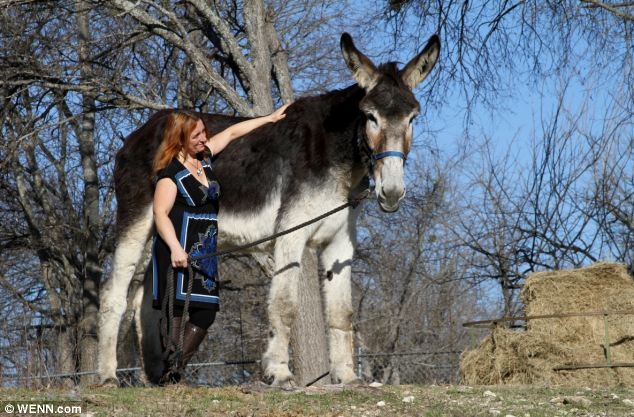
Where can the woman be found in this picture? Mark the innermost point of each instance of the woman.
(185, 209)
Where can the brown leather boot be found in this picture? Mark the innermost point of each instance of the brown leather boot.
(194, 336)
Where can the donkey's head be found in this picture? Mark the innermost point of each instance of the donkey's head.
(389, 107)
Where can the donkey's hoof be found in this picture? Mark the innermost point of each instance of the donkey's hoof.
(356, 382)
(109, 383)
(345, 377)
(284, 385)
(286, 382)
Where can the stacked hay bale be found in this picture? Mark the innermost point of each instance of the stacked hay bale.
(528, 357)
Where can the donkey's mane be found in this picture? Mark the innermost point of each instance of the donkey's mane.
(391, 71)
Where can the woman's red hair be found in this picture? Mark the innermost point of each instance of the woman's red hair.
(178, 129)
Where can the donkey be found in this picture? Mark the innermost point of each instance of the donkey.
(276, 177)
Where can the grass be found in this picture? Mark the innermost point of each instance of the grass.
(334, 401)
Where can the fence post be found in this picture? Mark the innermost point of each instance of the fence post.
(606, 335)
(359, 363)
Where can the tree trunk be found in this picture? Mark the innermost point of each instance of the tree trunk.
(308, 335)
(92, 271)
(65, 357)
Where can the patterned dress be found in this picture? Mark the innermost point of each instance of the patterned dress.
(194, 216)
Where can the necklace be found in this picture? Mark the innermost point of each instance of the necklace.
(195, 165)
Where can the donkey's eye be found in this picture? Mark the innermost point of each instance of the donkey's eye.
(411, 119)
(371, 117)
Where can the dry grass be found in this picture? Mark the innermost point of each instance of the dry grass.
(335, 401)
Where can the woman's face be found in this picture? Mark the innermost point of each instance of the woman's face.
(197, 139)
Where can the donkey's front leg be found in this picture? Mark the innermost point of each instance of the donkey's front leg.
(282, 307)
(337, 262)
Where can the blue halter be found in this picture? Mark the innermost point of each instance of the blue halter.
(368, 155)
(381, 155)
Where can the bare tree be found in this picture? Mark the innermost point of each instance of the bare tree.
(612, 187)
(553, 203)
(623, 10)
(49, 126)
(488, 224)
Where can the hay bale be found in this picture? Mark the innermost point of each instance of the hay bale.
(599, 287)
(503, 358)
(528, 357)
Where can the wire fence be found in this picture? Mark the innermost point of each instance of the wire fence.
(442, 367)
(387, 368)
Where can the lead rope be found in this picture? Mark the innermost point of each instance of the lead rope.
(167, 329)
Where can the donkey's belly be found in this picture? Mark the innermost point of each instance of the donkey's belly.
(241, 228)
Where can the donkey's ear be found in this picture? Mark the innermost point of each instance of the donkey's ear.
(363, 70)
(418, 68)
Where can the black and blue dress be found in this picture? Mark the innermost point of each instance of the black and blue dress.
(194, 216)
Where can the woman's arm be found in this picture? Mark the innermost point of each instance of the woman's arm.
(220, 140)
(164, 197)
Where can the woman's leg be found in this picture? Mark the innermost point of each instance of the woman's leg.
(195, 331)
